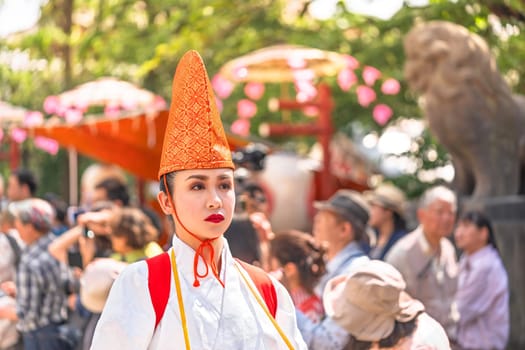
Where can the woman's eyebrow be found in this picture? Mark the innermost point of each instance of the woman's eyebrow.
(198, 177)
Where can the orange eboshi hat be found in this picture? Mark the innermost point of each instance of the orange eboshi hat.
(194, 137)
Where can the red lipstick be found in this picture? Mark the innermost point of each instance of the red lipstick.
(215, 218)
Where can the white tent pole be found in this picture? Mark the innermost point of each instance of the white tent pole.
(73, 176)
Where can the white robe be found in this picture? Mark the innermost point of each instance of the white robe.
(219, 318)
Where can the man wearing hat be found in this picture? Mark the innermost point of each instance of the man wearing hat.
(41, 302)
(207, 299)
(386, 218)
(371, 304)
(341, 224)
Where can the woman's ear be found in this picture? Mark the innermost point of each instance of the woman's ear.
(165, 203)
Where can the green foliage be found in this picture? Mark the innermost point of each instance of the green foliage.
(141, 41)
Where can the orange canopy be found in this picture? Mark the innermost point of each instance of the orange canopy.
(134, 143)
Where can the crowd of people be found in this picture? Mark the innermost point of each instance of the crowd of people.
(95, 277)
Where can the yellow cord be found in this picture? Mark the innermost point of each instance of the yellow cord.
(179, 298)
(265, 308)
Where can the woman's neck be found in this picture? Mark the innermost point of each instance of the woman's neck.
(385, 232)
(216, 244)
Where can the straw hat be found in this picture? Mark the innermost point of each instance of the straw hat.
(367, 302)
(195, 137)
(388, 196)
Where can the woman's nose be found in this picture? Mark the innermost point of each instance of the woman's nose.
(214, 200)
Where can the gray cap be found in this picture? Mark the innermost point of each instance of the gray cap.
(349, 204)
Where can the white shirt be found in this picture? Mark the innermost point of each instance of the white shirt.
(483, 301)
(217, 318)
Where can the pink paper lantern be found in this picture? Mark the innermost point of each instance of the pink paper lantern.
(351, 62)
(246, 109)
(241, 127)
(112, 111)
(311, 111)
(346, 79)
(254, 90)
(18, 135)
(365, 95)
(48, 145)
(159, 103)
(33, 119)
(370, 75)
(223, 87)
(382, 114)
(51, 104)
(73, 116)
(306, 90)
(390, 87)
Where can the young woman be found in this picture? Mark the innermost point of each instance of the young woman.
(207, 299)
(483, 288)
(300, 261)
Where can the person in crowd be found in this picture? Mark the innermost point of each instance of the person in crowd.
(60, 225)
(300, 263)
(41, 302)
(483, 289)
(112, 189)
(250, 230)
(11, 253)
(386, 218)
(427, 259)
(209, 300)
(371, 304)
(21, 185)
(340, 224)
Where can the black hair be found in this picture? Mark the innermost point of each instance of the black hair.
(115, 190)
(300, 249)
(480, 220)
(400, 331)
(169, 179)
(58, 204)
(26, 177)
(399, 222)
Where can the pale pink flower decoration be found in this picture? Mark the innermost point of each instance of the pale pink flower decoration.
(382, 114)
(351, 62)
(254, 90)
(246, 109)
(33, 119)
(370, 75)
(51, 104)
(241, 127)
(365, 95)
(390, 87)
(346, 79)
(18, 135)
(46, 144)
(223, 87)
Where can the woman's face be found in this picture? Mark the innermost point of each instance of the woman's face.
(204, 200)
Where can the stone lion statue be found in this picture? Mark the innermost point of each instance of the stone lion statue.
(469, 107)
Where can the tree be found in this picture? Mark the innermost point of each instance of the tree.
(141, 41)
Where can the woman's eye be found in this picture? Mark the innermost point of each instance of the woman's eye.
(197, 187)
(225, 186)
